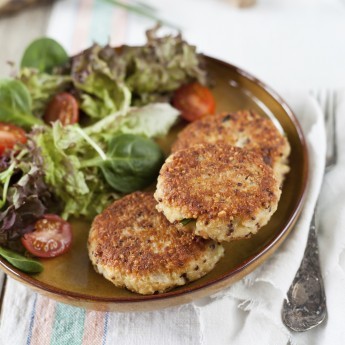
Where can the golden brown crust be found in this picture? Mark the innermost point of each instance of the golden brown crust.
(219, 185)
(242, 129)
(132, 237)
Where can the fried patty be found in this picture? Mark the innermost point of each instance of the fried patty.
(229, 191)
(242, 129)
(134, 246)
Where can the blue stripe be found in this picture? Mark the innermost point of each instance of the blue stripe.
(102, 14)
(32, 318)
(68, 328)
(105, 330)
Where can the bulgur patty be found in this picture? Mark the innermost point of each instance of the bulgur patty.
(229, 191)
(134, 246)
(242, 129)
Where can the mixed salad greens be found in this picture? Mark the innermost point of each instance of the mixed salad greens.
(90, 123)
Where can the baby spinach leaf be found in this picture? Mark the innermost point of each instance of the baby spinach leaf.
(15, 104)
(44, 54)
(21, 262)
(132, 162)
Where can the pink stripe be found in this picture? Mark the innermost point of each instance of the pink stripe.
(80, 39)
(43, 322)
(118, 27)
(93, 327)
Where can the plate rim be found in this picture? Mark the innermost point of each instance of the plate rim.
(42, 287)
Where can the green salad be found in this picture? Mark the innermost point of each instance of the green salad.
(77, 133)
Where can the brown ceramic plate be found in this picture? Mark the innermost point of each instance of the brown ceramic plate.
(71, 278)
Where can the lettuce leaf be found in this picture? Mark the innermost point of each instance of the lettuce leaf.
(151, 73)
(81, 190)
(108, 80)
(102, 92)
(42, 87)
(153, 120)
(25, 195)
(68, 151)
(162, 65)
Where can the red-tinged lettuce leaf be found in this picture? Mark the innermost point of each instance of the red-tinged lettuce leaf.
(42, 87)
(16, 222)
(4, 162)
(103, 75)
(100, 88)
(162, 65)
(28, 197)
(82, 190)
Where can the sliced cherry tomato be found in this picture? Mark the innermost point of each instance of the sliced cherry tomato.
(63, 107)
(194, 101)
(9, 136)
(52, 237)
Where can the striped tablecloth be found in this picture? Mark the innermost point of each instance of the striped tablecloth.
(79, 23)
(31, 319)
(291, 50)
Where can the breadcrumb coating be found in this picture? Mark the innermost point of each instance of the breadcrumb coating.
(241, 129)
(229, 191)
(134, 246)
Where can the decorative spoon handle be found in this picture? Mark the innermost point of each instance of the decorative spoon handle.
(305, 306)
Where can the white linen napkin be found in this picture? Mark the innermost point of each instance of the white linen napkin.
(250, 309)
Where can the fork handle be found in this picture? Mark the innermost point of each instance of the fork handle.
(305, 306)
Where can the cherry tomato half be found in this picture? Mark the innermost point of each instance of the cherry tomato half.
(63, 107)
(52, 237)
(194, 101)
(9, 136)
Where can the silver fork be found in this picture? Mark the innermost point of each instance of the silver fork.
(305, 306)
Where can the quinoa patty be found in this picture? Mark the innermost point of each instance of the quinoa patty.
(241, 129)
(229, 191)
(134, 246)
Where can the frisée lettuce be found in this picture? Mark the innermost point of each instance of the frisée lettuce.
(91, 167)
(42, 86)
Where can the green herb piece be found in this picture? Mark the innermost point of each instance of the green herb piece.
(21, 262)
(44, 54)
(15, 104)
(186, 221)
